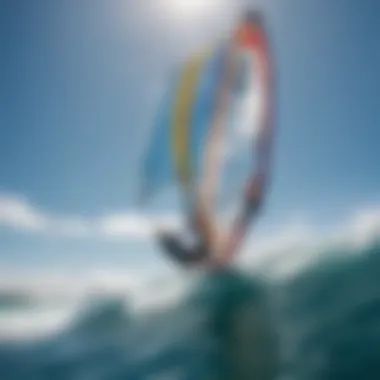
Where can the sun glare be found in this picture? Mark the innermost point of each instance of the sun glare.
(190, 8)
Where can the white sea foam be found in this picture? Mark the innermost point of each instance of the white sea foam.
(55, 297)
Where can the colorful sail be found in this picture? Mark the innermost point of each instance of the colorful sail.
(175, 152)
(213, 132)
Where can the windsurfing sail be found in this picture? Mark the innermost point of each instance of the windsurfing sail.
(212, 137)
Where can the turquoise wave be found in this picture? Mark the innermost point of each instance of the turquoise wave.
(324, 323)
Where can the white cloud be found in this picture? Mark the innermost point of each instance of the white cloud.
(17, 213)
(125, 224)
(134, 224)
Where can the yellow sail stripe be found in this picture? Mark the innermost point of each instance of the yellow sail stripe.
(182, 113)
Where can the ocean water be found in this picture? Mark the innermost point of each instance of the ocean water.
(323, 322)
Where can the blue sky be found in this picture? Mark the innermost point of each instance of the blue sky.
(79, 84)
